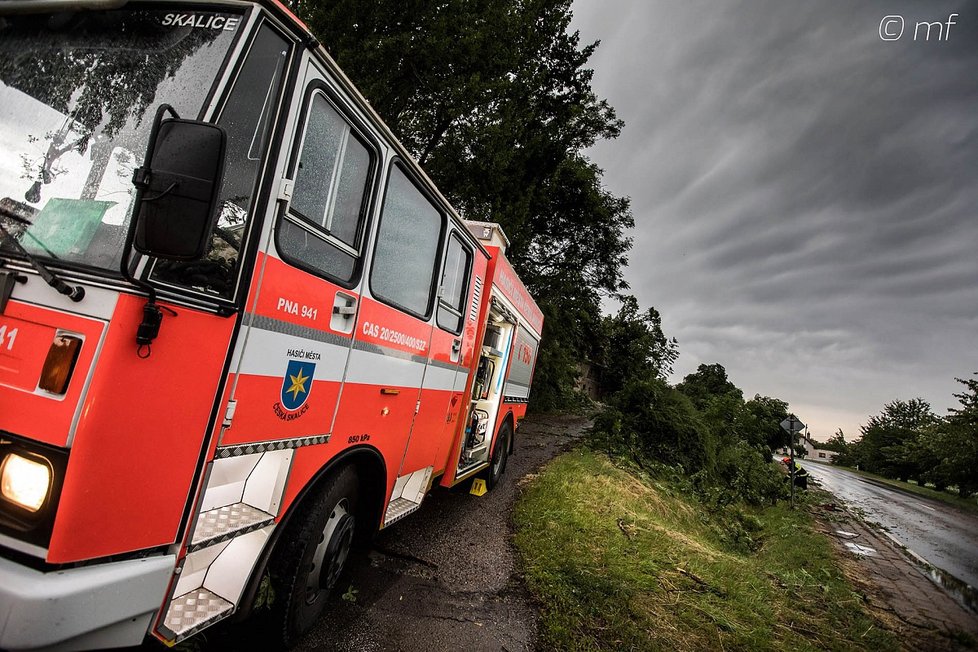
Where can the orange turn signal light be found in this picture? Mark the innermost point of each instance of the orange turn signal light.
(59, 363)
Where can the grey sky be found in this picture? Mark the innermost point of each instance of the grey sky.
(804, 193)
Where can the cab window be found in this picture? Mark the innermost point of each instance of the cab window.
(247, 118)
(408, 242)
(454, 286)
(323, 229)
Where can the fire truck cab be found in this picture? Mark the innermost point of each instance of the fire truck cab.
(240, 329)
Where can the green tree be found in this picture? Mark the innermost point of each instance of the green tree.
(708, 382)
(889, 444)
(836, 442)
(702, 426)
(761, 423)
(720, 404)
(571, 328)
(652, 422)
(845, 449)
(633, 346)
(952, 444)
(494, 98)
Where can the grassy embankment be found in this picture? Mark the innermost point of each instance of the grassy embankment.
(622, 562)
(970, 504)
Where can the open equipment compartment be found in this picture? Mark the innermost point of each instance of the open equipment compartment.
(487, 387)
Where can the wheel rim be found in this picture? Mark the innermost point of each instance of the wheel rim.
(331, 552)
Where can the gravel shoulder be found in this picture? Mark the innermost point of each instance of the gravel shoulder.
(895, 585)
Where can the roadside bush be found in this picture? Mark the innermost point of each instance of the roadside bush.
(654, 424)
(742, 473)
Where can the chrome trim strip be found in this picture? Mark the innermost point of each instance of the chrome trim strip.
(224, 452)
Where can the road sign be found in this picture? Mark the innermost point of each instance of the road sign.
(792, 425)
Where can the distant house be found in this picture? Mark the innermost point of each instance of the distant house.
(812, 451)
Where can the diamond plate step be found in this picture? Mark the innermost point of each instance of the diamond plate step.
(223, 523)
(193, 611)
(398, 509)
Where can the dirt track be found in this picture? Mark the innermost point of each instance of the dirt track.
(445, 577)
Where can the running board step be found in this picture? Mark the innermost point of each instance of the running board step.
(193, 611)
(224, 523)
(398, 509)
(409, 491)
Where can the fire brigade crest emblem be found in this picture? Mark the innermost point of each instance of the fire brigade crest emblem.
(297, 384)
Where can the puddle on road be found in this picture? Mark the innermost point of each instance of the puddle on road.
(862, 551)
(965, 594)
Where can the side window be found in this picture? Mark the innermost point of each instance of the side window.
(247, 118)
(322, 231)
(454, 286)
(406, 254)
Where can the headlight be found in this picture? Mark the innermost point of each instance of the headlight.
(25, 482)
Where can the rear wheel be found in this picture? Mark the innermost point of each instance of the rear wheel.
(312, 556)
(500, 455)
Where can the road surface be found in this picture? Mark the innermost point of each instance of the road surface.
(944, 535)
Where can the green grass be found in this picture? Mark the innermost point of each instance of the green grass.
(970, 504)
(621, 562)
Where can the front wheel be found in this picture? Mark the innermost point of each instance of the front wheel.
(313, 554)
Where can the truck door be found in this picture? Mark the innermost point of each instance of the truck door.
(441, 400)
(306, 293)
(392, 338)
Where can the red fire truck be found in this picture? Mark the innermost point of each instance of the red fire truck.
(240, 328)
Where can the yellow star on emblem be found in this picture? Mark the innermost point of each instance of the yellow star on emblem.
(298, 385)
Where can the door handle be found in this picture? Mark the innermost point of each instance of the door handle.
(344, 311)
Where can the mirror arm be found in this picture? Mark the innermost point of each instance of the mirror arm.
(147, 331)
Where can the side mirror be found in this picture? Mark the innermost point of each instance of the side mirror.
(177, 189)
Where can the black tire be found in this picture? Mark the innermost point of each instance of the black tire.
(312, 555)
(497, 466)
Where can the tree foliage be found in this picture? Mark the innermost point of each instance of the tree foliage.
(494, 99)
(702, 426)
(950, 448)
(632, 345)
(651, 421)
(845, 449)
(707, 384)
(908, 441)
(890, 439)
(761, 423)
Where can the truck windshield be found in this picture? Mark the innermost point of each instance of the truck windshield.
(78, 93)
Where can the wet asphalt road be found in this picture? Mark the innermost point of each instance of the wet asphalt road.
(445, 578)
(945, 536)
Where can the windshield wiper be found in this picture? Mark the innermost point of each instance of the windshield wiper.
(74, 292)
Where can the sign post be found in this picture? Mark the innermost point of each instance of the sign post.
(793, 426)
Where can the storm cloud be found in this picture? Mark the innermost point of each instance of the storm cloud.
(804, 192)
